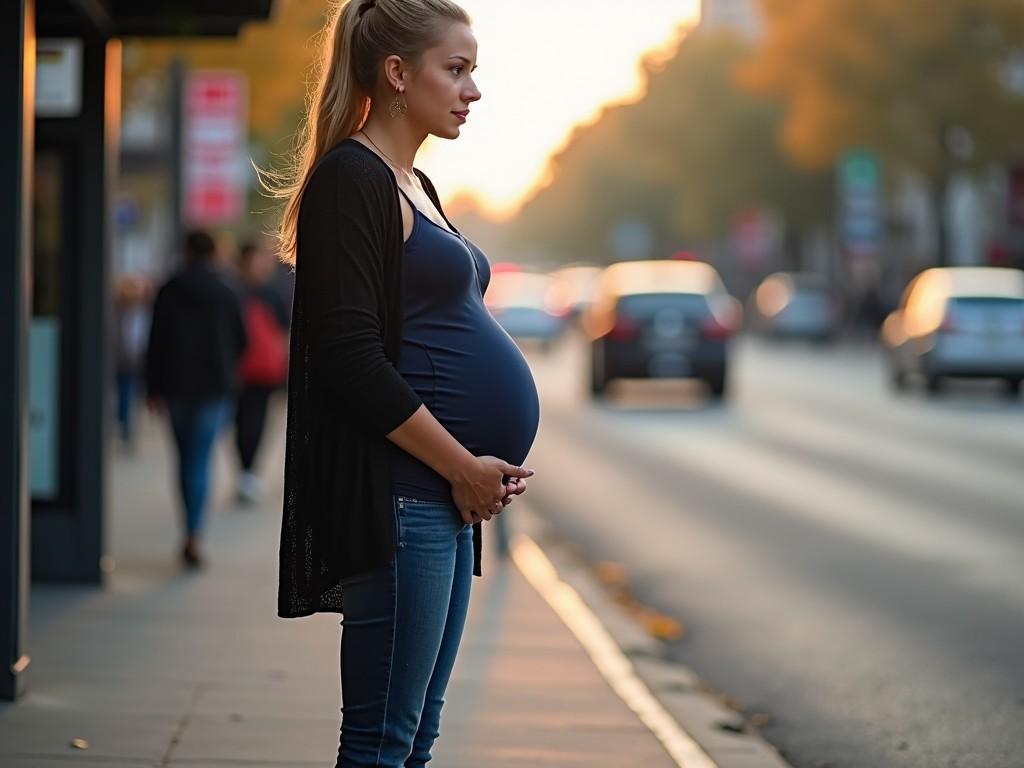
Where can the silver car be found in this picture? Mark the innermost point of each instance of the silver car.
(958, 321)
(794, 305)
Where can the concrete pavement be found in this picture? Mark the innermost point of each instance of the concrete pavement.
(167, 668)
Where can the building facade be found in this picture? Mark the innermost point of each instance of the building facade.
(60, 79)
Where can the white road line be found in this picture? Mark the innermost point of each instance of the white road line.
(606, 655)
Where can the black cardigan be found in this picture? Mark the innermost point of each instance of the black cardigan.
(344, 390)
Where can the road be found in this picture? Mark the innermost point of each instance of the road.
(845, 560)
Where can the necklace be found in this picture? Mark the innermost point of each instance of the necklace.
(387, 157)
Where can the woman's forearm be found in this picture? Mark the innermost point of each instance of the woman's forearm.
(422, 436)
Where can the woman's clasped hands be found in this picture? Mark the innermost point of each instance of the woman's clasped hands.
(486, 486)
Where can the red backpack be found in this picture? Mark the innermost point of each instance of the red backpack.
(265, 360)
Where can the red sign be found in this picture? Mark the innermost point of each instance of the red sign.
(214, 148)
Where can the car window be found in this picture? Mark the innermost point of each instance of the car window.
(981, 313)
(647, 304)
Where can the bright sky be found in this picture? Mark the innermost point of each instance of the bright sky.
(545, 66)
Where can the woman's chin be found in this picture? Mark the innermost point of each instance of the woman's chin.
(448, 132)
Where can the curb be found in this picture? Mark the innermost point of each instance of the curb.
(696, 730)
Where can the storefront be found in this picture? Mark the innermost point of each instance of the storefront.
(60, 85)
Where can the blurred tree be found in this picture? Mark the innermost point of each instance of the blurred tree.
(680, 164)
(929, 85)
(276, 56)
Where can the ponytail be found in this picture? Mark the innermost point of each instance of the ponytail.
(358, 36)
(335, 110)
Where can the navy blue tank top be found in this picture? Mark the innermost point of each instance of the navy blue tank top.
(462, 364)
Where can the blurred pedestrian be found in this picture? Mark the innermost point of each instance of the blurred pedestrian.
(196, 340)
(409, 409)
(132, 296)
(264, 365)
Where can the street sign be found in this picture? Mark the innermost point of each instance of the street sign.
(214, 131)
(860, 203)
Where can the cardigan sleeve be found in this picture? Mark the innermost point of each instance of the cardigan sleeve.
(342, 242)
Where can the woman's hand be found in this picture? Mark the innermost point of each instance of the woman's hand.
(479, 490)
(516, 486)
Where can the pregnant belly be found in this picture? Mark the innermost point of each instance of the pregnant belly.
(479, 386)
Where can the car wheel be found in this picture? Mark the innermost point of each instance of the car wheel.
(1014, 386)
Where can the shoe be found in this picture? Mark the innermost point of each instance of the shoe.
(250, 490)
(190, 555)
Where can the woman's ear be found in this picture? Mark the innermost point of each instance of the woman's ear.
(394, 71)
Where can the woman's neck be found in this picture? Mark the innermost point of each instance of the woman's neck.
(395, 138)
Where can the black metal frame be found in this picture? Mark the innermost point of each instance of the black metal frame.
(16, 91)
(68, 533)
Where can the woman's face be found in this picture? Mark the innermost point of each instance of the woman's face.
(441, 89)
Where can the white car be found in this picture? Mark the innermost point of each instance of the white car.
(958, 321)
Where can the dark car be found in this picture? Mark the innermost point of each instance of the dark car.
(958, 322)
(661, 319)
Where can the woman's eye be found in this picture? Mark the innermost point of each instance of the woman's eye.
(458, 69)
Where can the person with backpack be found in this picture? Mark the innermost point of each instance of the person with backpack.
(264, 366)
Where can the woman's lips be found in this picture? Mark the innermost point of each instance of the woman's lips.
(462, 115)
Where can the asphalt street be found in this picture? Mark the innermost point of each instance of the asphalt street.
(846, 560)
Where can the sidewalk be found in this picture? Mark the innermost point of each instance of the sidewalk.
(165, 668)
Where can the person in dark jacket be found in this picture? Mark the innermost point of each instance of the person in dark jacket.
(410, 411)
(196, 340)
(264, 365)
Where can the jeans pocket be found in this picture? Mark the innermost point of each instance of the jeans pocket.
(398, 508)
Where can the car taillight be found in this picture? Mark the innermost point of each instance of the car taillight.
(625, 328)
(713, 330)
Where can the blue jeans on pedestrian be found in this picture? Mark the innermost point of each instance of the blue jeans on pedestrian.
(196, 427)
(127, 387)
(400, 636)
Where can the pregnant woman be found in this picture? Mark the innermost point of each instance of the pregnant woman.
(410, 411)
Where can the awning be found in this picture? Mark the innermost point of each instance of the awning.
(157, 18)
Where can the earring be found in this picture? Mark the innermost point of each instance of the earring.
(399, 106)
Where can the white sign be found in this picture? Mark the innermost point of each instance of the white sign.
(58, 77)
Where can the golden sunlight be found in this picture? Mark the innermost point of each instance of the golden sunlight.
(545, 68)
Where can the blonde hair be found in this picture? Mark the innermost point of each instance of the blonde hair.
(358, 36)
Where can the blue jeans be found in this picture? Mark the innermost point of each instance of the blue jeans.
(401, 633)
(127, 387)
(196, 427)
